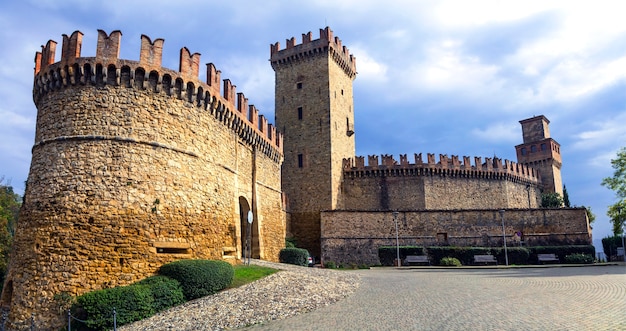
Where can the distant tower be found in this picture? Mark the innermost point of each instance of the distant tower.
(541, 152)
(315, 111)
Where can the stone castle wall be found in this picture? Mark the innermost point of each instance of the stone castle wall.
(354, 236)
(135, 166)
(448, 184)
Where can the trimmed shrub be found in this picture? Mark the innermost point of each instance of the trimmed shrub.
(166, 292)
(517, 255)
(579, 259)
(387, 254)
(330, 265)
(610, 245)
(561, 251)
(450, 261)
(199, 278)
(293, 255)
(464, 254)
(132, 303)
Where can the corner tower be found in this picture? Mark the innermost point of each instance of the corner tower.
(541, 152)
(315, 111)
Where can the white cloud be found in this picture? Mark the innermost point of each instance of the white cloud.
(498, 133)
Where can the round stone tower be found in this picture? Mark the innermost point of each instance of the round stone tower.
(134, 166)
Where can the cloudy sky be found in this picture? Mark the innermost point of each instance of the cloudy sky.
(443, 77)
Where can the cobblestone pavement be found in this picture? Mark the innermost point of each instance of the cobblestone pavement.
(556, 298)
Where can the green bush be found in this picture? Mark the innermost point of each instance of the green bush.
(579, 259)
(610, 245)
(199, 278)
(464, 254)
(388, 254)
(166, 292)
(292, 255)
(561, 251)
(516, 255)
(131, 303)
(330, 265)
(450, 261)
(290, 242)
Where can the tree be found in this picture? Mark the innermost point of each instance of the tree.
(9, 209)
(617, 183)
(551, 200)
(566, 197)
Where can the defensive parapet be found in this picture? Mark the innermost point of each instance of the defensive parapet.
(231, 108)
(326, 43)
(495, 168)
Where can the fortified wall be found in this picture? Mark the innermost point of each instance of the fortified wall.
(354, 236)
(133, 166)
(450, 183)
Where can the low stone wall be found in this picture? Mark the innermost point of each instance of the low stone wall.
(354, 236)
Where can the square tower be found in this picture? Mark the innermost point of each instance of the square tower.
(315, 111)
(541, 152)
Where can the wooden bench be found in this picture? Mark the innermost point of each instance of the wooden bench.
(416, 259)
(547, 258)
(485, 259)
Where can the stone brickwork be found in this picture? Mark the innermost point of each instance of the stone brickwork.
(354, 236)
(314, 110)
(134, 166)
(448, 184)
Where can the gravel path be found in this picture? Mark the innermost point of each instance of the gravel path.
(293, 290)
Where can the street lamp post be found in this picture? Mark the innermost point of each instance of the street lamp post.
(619, 218)
(395, 220)
(506, 254)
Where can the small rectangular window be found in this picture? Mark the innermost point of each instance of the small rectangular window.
(299, 85)
(543, 147)
(299, 113)
(533, 148)
(523, 150)
(300, 161)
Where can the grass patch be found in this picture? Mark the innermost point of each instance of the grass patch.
(245, 274)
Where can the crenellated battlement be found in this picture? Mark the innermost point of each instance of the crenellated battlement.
(107, 69)
(386, 165)
(326, 44)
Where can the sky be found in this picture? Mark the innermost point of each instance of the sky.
(442, 77)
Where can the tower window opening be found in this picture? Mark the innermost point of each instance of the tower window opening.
(543, 147)
(299, 85)
(299, 113)
(300, 161)
(533, 148)
(523, 150)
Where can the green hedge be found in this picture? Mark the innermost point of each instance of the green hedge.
(199, 278)
(579, 259)
(166, 292)
(131, 303)
(293, 255)
(450, 262)
(610, 245)
(387, 254)
(561, 251)
(463, 254)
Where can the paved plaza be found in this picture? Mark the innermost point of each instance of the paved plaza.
(553, 298)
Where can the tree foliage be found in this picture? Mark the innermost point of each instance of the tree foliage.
(566, 197)
(9, 209)
(617, 183)
(551, 200)
(590, 215)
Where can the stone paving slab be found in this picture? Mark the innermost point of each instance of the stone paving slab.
(556, 298)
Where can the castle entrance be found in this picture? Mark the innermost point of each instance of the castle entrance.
(249, 233)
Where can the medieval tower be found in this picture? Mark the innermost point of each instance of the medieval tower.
(315, 112)
(133, 166)
(541, 152)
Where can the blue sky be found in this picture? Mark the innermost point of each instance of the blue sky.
(443, 77)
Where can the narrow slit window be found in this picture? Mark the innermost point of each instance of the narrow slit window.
(300, 161)
(299, 113)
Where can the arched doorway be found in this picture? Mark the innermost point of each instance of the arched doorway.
(249, 233)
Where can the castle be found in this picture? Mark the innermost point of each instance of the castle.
(135, 165)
